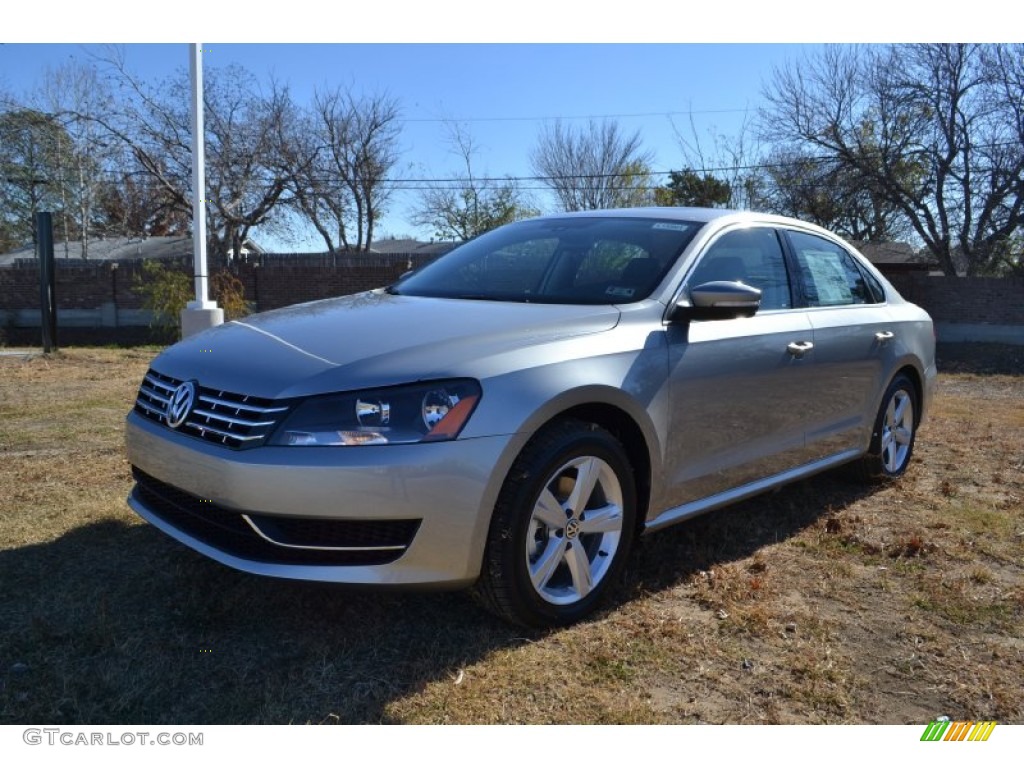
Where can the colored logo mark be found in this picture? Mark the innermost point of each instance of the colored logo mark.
(944, 730)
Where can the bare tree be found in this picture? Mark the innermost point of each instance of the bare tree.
(75, 94)
(132, 203)
(80, 168)
(934, 128)
(594, 167)
(373, 142)
(30, 143)
(245, 178)
(718, 169)
(338, 158)
(832, 195)
(152, 122)
(315, 195)
(469, 204)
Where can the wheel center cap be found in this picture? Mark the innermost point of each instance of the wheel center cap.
(572, 528)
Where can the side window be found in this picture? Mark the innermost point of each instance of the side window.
(829, 276)
(752, 256)
(877, 292)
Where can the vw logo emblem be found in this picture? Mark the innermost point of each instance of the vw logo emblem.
(180, 404)
(572, 529)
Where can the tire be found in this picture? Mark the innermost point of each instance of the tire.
(547, 564)
(892, 440)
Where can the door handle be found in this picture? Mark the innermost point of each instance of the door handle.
(883, 336)
(799, 348)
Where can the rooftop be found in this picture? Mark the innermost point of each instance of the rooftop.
(109, 249)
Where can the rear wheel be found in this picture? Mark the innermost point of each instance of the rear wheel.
(562, 527)
(892, 441)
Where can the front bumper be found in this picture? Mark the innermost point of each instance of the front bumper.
(427, 506)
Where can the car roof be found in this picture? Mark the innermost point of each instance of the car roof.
(722, 216)
(701, 215)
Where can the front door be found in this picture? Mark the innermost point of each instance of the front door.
(739, 387)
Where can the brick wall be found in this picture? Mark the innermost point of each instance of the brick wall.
(90, 286)
(975, 300)
(273, 287)
(983, 300)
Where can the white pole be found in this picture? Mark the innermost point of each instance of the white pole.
(201, 313)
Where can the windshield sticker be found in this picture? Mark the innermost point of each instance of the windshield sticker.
(667, 225)
(625, 293)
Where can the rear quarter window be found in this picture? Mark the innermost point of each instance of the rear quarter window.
(827, 274)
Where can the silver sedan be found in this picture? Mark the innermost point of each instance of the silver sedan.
(510, 417)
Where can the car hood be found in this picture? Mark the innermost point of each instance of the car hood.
(369, 340)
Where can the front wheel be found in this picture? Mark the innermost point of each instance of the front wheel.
(892, 441)
(562, 527)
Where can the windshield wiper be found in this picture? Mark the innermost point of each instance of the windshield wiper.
(490, 297)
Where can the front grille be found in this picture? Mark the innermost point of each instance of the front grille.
(227, 418)
(299, 541)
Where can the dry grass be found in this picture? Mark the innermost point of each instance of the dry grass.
(825, 602)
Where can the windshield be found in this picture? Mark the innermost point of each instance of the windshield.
(558, 261)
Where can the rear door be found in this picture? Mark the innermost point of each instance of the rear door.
(853, 342)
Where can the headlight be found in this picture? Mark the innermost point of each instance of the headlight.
(416, 413)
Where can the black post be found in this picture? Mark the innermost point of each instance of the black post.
(113, 289)
(47, 280)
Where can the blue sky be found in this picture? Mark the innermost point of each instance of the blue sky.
(502, 92)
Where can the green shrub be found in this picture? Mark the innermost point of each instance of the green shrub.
(166, 291)
(230, 295)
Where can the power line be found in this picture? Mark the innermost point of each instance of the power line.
(459, 182)
(509, 119)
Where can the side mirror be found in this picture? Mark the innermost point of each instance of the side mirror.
(718, 300)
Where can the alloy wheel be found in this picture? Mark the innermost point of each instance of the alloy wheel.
(897, 431)
(574, 530)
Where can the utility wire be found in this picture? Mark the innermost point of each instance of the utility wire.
(511, 119)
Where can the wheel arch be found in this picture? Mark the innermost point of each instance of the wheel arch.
(609, 408)
(503, 587)
(911, 372)
(620, 424)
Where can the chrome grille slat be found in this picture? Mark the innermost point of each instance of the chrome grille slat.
(241, 405)
(158, 383)
(153, 395)
(158, 411)
(226, 418)
(230, 419)
(219, 432)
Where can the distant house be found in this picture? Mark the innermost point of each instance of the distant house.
(111, 249)
(896, 258)
(108, 249)
(406, 246)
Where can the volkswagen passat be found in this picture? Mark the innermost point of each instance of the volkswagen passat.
(511, 416)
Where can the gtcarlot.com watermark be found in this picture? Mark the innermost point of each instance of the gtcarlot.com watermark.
(70, 738)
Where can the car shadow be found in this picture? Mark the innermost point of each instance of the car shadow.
(667, 558)
(116, 623)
